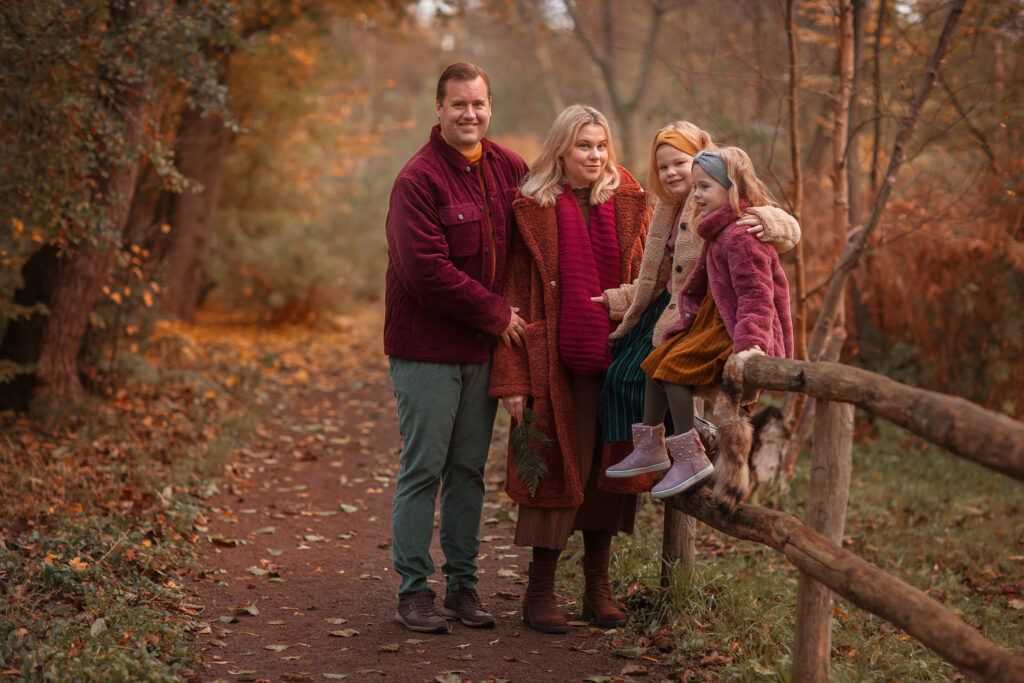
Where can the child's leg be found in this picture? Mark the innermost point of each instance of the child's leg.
(655, 403)
(680, 402)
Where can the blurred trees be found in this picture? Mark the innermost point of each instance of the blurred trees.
(153, 154)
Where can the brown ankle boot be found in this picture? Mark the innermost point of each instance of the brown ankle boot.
(540, 611)
(597, 595)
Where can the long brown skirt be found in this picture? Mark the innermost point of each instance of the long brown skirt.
(695, 357)
(600, 511)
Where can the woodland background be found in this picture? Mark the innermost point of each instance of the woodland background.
(238, 155)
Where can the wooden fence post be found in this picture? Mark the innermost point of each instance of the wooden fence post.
(678, 542)
(826, 513)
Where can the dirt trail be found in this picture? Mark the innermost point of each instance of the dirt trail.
(297, 581)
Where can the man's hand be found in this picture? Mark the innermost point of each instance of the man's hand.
(514, 405)
(513, 334)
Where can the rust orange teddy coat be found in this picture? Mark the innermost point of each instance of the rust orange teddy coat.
(536, 370)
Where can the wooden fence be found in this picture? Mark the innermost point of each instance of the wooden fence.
(815, 548)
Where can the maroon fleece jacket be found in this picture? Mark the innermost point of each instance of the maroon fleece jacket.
(443, 284)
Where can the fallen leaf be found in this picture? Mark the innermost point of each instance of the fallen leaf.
(347, 508)
(336, 620)
(346, 633)
(276, 648)
(390, 647)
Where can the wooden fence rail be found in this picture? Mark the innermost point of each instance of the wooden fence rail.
(863, 584)
(965, 429)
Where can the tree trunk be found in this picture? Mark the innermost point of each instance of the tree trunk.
(830, 309)
(624, 108)
(877, 85)
(200, 152)
(22, 338)
(82, 271)
(800, 321)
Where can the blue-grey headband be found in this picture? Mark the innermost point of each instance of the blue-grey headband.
(715, 166)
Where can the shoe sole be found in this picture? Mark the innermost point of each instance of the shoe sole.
(452, 614)
(421, 629)
(546, 629)
(679, 488)
(638, 470)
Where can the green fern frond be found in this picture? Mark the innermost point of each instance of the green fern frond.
(529, 462)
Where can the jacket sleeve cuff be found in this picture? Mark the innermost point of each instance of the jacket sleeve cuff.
(619, 300)
(781, 230)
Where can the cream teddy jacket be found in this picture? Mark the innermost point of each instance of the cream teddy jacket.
(628, 302)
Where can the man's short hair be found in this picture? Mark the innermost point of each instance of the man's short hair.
(461, 71)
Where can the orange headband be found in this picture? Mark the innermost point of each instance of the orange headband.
(675, 139)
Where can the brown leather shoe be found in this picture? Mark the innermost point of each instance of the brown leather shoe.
(417, 613)
(540, 610)
(597, 593)
(464, 605)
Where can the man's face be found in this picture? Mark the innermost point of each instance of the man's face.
(464, 114)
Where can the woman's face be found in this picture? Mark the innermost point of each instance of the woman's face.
(674, 170)
(589, 155)
(708, 193)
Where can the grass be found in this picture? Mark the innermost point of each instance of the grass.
(96, 546)
(940, 523)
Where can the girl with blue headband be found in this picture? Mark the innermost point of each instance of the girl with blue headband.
(736, 300)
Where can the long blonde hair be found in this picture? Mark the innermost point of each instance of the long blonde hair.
(547, 176)
(745, 183)
(698, 137)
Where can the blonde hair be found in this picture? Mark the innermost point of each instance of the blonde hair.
(700, 140)
(745, 183)
(547, 175)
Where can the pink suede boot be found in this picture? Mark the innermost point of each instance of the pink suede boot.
(690, 465)
(648, 453)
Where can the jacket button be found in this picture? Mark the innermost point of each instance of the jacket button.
(460, 216)
(553, 284)
(688, 315)
(679, 269)
(468, 169)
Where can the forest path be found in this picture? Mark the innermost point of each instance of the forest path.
(296, 581)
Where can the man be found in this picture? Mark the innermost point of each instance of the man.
(448, 231)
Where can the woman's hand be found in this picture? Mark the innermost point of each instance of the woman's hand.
(753, 224)
(514, 405)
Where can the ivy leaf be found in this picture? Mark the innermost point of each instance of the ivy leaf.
(529, 462)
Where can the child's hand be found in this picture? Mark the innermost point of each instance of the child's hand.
(753, 224)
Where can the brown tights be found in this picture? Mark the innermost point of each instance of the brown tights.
(593, 541)
(660, 397)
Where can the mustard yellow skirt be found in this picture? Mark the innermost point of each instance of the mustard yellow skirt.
(696, 356)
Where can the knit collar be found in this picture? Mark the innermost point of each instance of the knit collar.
(717, 220)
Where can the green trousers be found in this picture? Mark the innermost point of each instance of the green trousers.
(445, 418)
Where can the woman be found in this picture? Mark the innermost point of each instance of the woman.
(642, 306)
(580, 225)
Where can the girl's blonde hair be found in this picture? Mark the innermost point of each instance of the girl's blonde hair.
(547, 175)
(700, 140)
(745, 183)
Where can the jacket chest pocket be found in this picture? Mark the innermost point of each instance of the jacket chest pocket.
(461, 223)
